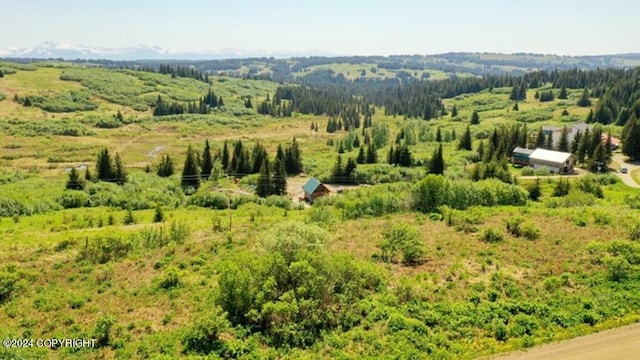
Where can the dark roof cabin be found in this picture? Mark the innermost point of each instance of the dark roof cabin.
(314, 189)
(520, 156)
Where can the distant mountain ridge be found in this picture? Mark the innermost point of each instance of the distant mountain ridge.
(52, 50)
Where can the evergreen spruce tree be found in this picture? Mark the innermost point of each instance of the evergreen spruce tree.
(258, 154)
(165, 168)
(436, 165)
(540, 138)
(279, 178)
(104, 166)
(583, 148)
(350, 171)
(549, 141)
(438, 135)
(158, 216)
(264, 187)
(584, 99)
(128, 218)
(390, 156)
(361, 159)
(224, 158)
(465, 140)
(563, 142)
(515, 107)
(337, 173)
(563, 93)
(190, 171)
(74, 182)
(475, 118)
(599, 158)
(119, 172)
(119, 116)
(454, 136)
(454, 111)
(631, 144)
(372, 154)
(207, 161)
(280, 154)
(87, 175)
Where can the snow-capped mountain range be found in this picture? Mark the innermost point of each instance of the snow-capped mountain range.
(52, 50)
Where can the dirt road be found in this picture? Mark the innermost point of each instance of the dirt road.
(615, 344)
(626, 178)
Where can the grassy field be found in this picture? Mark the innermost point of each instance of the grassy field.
(151, 289)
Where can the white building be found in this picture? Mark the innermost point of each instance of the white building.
(557, 162)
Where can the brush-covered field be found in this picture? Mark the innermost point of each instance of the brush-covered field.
(401, 265)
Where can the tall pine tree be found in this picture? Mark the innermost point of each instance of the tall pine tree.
(190, 171)
(207, 161)
(436, 165)
(264, 187)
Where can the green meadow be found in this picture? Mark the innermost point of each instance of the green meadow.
(397, 264)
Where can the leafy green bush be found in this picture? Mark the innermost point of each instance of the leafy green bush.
(104, 249)
(282, 202)
(71, 199)
(618, 268)
(530, 231)
(203, 337)
(633, 201)
(562, 187)
(434, 191)
(103, 333)
(293, 291)
(513, 225)
(401, 238)
(8, 284)
(169, 279)
(491, 235)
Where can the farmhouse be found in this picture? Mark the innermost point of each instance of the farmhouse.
(520, 156)
(572, 131)
(314, 189)
(556, 161)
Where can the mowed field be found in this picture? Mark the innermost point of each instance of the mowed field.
(104, 268)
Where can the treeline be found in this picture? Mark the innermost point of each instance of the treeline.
(332, 101)
(184, 71)
(203, 106)
(276, 108)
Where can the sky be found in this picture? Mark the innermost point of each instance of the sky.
(336, 27)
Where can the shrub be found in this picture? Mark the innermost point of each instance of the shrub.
(618, 268)
(282, 202)
(513, 225)
(634, 232)
(402, 239)
(170, 279)
(102, 333)
(8, 284)
(204, 335)
(530, 231)
(71, 199)
(102, 250)
(491, 235)
(562, 187)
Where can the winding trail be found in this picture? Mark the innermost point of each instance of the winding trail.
(615, 344)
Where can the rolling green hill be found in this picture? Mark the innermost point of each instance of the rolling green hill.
(483, 259)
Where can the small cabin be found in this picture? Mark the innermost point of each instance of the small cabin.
(520, 156)
(314, 189)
